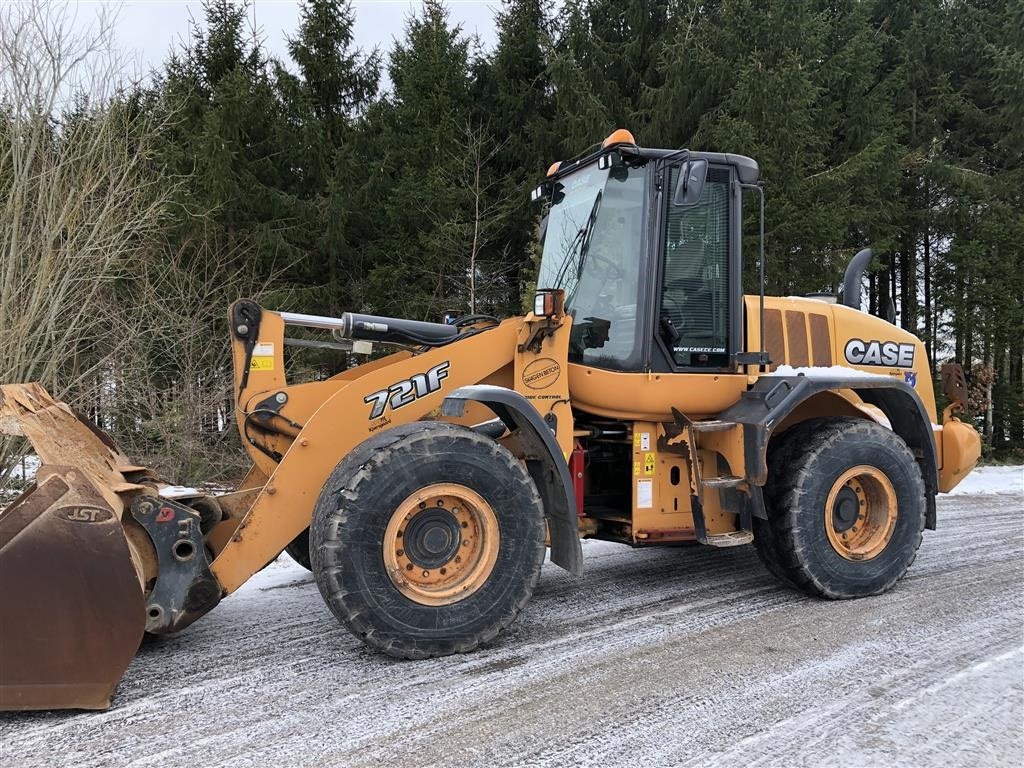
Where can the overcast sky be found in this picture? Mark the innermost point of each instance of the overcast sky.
(148, 29)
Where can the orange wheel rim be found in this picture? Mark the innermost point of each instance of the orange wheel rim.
(860, 513)
(441, 544)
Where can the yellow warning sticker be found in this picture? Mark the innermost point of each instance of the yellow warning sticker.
(636, 440)
(636, 467)
(648, 463)
(262, 357)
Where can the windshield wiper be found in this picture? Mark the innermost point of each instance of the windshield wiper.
(581, 241)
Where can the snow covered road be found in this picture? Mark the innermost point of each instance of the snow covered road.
(688, 656)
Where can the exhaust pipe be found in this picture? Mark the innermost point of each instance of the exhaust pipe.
(852, 277)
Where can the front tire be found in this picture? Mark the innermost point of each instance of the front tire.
(298, 550)
(427, 540)
(846, 507)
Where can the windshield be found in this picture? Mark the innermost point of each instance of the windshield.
(592, 251)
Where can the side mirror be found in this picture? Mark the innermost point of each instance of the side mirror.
(691, 183)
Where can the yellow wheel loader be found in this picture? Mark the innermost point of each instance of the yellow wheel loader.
(644, 400)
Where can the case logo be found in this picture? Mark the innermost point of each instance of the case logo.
(401, 393)
(884, 353)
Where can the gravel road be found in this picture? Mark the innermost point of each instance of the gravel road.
(688, 656)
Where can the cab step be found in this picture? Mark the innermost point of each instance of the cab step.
(713, 425)
(726, 481)
(733, 539)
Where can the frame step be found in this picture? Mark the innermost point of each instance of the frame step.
(713, 425)
(734, 539)
(728, 481)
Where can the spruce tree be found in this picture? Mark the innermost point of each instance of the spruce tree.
(325, 102)
(414, 136)
(516, 100)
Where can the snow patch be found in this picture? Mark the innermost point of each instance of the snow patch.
(986, 481)
(179, 492)
(831, 372)
(26, 468)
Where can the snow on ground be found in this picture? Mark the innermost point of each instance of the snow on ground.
(26, 468)
(687, 656)
(987, 480)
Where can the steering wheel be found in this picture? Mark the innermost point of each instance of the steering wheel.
(608, 269)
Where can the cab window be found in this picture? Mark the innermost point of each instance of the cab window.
(593, 251)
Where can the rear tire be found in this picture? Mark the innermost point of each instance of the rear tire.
(427, 540)
(846, 508)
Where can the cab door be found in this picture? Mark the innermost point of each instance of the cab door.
(693, 309)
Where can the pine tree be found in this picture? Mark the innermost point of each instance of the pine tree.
(227, 142)
(325, 103)
(515, 100)
(413, 139)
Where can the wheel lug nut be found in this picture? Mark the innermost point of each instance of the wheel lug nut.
(426, 573)
(465, 524)
(408, 567)
(458, 558)
(443, 571)
(423, 505)
(400, 552)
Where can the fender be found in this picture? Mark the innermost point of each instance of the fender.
(543, 460)
(763, 407)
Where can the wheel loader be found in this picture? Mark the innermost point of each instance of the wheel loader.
(644, 400)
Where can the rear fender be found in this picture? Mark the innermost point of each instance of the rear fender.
(543, 460)
(765, 406)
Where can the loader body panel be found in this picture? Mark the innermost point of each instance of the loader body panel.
(642, 401)
(312, 440)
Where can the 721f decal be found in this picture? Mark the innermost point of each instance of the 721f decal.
(404, 392)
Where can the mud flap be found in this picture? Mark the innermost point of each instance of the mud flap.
(544, 461)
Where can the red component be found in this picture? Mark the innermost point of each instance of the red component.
(576, 461)
(164, 515)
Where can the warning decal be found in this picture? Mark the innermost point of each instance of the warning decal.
(648, 463)
(644, 494)
(262, 357)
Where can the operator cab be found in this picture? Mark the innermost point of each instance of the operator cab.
(630, 228)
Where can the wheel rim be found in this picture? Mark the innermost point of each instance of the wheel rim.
(860, 513)
(441, 544)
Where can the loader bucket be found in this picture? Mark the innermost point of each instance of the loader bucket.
(72, 609)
